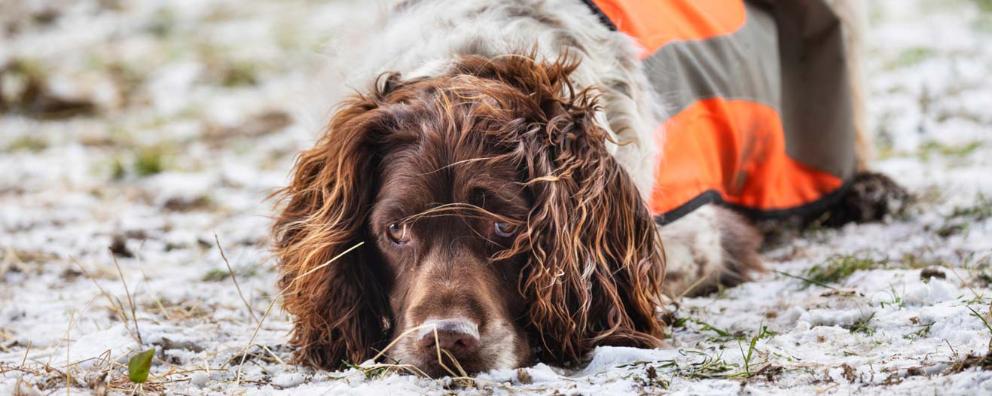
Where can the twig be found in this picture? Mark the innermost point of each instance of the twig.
(134, 314)
(235, 279)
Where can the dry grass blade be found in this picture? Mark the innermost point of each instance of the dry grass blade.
(273, 354)
(458, 366)
(409, 368)
(394, 341)
(461, 376)
(328, 262)
(68, 367)
(130, 301)
(234, 278)
(254, 334)
(24, 360)
(251, 341)
(413, 369)
(437, 348)
(115, 303)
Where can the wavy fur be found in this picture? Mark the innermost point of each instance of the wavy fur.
(594, 262)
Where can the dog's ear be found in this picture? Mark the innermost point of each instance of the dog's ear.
(595, 257)
(329, 278)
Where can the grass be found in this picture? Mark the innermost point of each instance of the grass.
(239, 74)
(982, 318)
(27, 143)
(896, 300)
(928, 149)
(863, 325)
(839, 268)
(721, 334)
(931, 148)
(708, 327)
(763, 332)
(984, 5)
(962, 217)
(715, 367)
(695, 367)
(163, 22)
(988, 356)
(709, 367)
(930, 267)
(147, 161)
(27, 91)
(215, 275)
(981, 210)
(911, 57)
(922, 332)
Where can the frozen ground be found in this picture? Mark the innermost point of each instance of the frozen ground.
(154, 126)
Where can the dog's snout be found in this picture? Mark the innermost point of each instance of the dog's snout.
(460, 337)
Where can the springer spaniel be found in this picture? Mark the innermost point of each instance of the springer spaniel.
(483, 205)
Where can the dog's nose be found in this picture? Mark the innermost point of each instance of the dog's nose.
(460, 337)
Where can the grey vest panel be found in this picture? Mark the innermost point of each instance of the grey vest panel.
(790, 56)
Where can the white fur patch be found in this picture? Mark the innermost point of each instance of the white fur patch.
(458, 325)
(693, 248)
(423, 38)
(501, 345)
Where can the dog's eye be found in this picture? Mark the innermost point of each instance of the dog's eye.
(504, 230)
(398, 233)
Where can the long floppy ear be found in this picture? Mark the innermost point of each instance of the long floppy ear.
(329, 281)
(595, 257)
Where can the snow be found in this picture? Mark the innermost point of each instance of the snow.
(182, 79)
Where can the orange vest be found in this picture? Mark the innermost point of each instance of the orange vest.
(732, 72)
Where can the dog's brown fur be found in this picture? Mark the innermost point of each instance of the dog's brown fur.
(591, 258)
(502, 141)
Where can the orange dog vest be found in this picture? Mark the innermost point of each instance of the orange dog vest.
(761, 116)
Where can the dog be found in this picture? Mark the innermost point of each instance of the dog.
(490, 199)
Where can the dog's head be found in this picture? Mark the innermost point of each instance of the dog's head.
(465, 222)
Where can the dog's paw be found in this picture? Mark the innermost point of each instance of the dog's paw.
(709, 248)
(870, 197)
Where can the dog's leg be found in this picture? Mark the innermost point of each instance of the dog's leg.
(710, 247)
(870, 196)
(853, 19)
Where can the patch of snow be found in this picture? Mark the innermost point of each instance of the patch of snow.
(154, 72)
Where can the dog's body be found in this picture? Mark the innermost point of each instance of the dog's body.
(570, 256)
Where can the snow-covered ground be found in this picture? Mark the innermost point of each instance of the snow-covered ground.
(154, 127)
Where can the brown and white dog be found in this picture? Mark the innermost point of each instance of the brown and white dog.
(474, 209)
